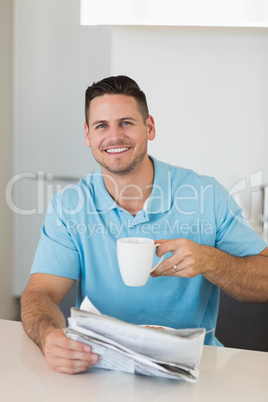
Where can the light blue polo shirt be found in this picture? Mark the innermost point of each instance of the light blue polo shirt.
(78, 240)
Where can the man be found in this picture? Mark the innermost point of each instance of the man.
(206, 242)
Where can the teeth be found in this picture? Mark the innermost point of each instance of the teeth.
(115, 151)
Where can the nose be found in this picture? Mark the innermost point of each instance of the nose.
(115, 133)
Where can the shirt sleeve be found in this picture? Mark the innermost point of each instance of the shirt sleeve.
(234, 234)
(56, 253)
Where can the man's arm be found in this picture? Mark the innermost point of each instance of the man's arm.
(43, 321)
(243, 278)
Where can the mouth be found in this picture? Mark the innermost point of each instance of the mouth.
(117, 150)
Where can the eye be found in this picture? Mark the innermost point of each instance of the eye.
(102, 125)
(126, 123)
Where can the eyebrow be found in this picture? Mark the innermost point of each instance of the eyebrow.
(96, 122)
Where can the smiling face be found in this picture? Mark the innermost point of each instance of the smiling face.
(117, 133)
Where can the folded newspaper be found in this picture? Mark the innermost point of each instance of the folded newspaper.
(153, 351)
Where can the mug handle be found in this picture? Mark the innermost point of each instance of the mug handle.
(159, 262)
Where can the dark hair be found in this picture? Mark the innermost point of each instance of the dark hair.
(120, 85)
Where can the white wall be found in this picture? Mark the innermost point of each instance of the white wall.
(55, 59)
(208, 91)
(206, 87)
(7, 304)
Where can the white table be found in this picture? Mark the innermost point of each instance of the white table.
(225, 375)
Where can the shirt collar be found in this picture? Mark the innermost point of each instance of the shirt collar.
(159, 200)
(103, 200)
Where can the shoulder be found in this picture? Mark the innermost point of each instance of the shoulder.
(72, 197)
(185, 176)
(181, 178)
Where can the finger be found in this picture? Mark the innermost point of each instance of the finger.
(67, 355)
(59, 339)
(161, 241)
(68, 349)
(173, 245)
(72, 365)
(158, 250)
(69, 360)
(175, 265)
(184, 269)
(70, 354)
(167, 266)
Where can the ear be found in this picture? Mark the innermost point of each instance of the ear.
(150, 127)
(87, 141)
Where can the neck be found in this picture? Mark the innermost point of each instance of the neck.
(130, 191)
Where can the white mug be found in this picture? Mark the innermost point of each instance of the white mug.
(135, 258)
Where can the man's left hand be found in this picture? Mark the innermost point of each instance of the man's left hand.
(189, 259)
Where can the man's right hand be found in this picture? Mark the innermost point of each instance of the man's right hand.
(65, 355)
(43, 321)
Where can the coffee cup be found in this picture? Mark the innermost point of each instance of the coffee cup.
(135, 258)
